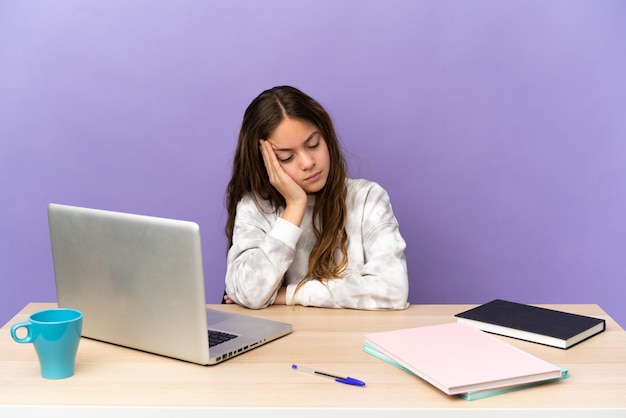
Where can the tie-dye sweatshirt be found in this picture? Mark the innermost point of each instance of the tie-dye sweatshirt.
(269, 253)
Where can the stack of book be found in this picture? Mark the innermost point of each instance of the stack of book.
(460, 359)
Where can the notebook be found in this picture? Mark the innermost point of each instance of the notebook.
(532, 323)
(458, 358)
(474, 394)
(139, 283)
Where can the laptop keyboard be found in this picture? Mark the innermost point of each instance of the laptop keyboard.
(218, 337)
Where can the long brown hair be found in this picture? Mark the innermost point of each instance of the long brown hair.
(328, 257)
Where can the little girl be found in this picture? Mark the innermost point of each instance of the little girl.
(300, 232)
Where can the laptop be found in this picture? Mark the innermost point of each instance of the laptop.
(139, 282)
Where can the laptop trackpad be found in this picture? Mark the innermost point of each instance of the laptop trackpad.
(214, 317)
(243, 325)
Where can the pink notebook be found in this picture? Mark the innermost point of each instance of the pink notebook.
(458, 358)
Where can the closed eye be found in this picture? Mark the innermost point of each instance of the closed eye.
(285, 155)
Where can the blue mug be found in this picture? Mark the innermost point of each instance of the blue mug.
(55, 333)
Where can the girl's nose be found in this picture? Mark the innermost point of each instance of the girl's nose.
(306, 161)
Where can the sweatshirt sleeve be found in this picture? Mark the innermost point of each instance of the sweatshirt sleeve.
(262, 251)
(377, 276)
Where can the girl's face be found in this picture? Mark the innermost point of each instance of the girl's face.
(302, 153)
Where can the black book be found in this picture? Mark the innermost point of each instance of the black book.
(532, 323)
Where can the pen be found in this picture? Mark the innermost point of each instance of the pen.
(347, 380)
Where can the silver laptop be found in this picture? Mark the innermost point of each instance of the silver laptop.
(139, 282)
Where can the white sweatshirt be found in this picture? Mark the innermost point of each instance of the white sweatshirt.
(269, 253)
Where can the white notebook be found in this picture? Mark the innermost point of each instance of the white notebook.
(458, 358)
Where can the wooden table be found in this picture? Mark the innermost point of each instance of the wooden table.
(111, 379)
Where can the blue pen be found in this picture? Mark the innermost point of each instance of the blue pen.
(347, 380)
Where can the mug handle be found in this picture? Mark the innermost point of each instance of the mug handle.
(28, 338)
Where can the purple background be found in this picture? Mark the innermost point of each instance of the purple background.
(498, 128)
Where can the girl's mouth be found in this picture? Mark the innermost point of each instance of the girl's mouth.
(313, 178)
